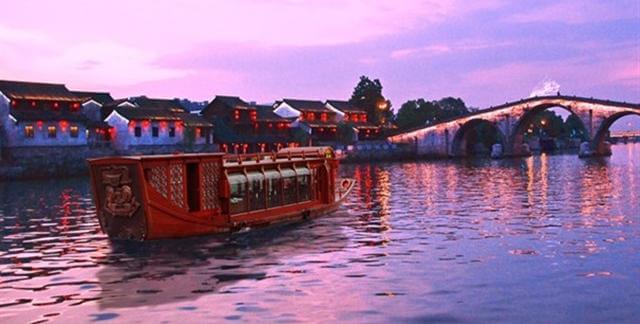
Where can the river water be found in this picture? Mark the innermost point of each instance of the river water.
(541, 239)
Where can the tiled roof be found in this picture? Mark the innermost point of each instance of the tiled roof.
(139, 113)
(48, 115)
(345, 106)
(37, 91)
(194, 120)
(265, 113)
(101, 97)
(307, 105)
(155, 103)
(232, 102)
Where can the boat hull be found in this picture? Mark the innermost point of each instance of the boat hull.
(161, 197)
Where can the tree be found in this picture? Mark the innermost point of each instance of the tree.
(417, 113)
(368, 95)
(574, 128)
(345, 133)
(300, 136)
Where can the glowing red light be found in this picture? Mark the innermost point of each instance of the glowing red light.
(163, 124)
(146, 124)
(14, 103)
(39, 123)
(56, 105)
(270, 125)
(33, 104)
(63, 125)
(132, 124)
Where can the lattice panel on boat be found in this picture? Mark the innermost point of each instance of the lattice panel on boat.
(158, 180)
(176, 178)
(210, 177)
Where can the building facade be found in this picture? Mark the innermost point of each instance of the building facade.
(357, 117)
(242, 127)
(156, 130)
(318, 119)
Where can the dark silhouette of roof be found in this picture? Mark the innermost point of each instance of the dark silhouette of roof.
(156, 114)
(155, 103)
(307, 105)
(37, 91)
(48, 115)
(265, 114)
(100, 97)
(345, 106)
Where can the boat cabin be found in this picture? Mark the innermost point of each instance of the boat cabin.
(147, 197)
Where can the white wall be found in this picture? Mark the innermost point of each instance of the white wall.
(286, 111)
(125, 136)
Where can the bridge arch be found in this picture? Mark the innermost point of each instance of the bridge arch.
(598, 143)
(464, 143)
(516, 137)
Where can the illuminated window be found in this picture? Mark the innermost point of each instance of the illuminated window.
(73, 131)
(52, 131)
(138, 132)
(172, 132)
(155, 131)
(311, 116)
(28, 131)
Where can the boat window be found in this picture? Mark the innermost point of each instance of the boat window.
(289, 186)
(273, 188)
(238, 187)
(256, 190)
(304, 184)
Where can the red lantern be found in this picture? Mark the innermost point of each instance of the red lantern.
(33, 104)
(146, 124)
(132, 124)
(39, 123)
(14, 103)
(63, 125)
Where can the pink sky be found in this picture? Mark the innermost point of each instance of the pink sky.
(487, 52)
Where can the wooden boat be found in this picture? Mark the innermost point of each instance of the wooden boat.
(180, 195)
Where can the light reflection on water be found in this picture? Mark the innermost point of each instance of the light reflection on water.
(541, 239)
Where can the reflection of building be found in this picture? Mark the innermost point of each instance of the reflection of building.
(46, 115)
(357, 116)
(313, 116)
(244, 127)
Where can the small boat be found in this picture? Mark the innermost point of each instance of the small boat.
(180, 195)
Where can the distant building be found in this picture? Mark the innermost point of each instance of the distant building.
(92, 106)
(357, 116)
(45, 115)
(158, 130)
(245, 127)
(320, 120)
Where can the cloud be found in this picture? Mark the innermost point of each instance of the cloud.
(578, 12)
(442, 48)
(420, 51)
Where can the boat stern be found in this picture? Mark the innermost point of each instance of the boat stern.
(118, 197)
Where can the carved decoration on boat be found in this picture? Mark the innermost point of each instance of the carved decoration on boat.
(119, 198)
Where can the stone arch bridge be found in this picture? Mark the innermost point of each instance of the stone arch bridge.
(449, 138)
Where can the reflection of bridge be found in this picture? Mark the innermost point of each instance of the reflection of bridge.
(451, 138)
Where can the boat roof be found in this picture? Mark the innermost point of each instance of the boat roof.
(296, 154)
